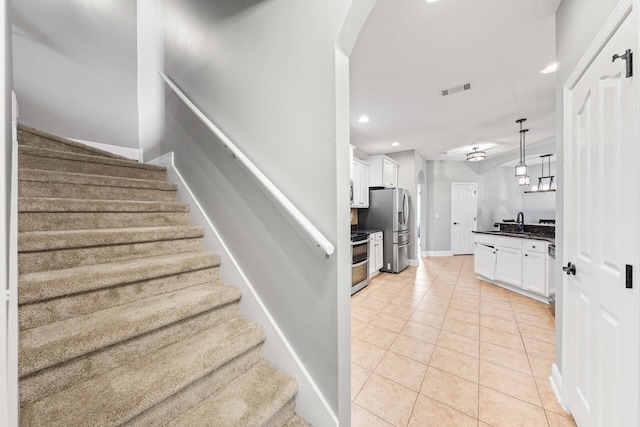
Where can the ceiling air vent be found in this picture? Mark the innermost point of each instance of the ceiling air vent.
(456, 89)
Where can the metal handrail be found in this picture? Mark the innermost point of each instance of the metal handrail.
(321, 241)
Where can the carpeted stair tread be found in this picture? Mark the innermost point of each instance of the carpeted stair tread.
(122, 393)
(42, 204)
(30, 136)
(38, 175)
(51, 284)
(52, 310)
(46, 382)
(296, 421)
(123, 318)
(51, 250)
(57, 342)
(67, 239)
(86, 158)
(249, 400)
(62, 161)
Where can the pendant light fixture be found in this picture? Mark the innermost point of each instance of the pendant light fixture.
(551, 185)
(546, 183)
(476, 156)
(521, 167)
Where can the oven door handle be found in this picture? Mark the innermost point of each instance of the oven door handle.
(360, 242)
(360, 263)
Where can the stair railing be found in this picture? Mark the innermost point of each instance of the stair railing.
(306, 225)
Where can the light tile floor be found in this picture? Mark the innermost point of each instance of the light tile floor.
(434, 346)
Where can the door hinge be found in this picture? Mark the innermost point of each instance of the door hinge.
(628, 57)
(474, 191)
(629, 274)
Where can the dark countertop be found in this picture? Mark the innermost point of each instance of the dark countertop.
(529, 236)
(368, 230)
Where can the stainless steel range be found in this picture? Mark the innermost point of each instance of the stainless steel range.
(359, 261)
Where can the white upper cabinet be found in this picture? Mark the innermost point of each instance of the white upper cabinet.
(360, 184)
(383, 171)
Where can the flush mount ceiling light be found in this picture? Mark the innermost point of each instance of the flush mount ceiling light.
(476, 156)
(480, 145)
(363, 119)
(521, 167)
(395, 143)
(550, 69)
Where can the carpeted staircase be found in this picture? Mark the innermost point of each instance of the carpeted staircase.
(122, 317)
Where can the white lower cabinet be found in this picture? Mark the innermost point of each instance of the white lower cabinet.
(379, 252)
(509, 260)
(509, 265)
(484, 260)
(534, 272)
(375, 253)
(518, 263)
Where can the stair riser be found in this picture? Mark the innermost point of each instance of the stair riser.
(282, 416)
(41, 313)
(97, 192)
(31, 262)
(52, 380)
(49, 221)
(194, 393)
(30, 161)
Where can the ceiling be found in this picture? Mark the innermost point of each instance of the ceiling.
(410, 50)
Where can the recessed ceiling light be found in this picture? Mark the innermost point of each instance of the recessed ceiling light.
(431, 1)
(550, 69)
(363, 119)
(395, 143)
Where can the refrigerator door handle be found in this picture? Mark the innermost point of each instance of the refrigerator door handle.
(405, 207)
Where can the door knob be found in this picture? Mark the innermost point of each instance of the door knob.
(455, 223)
(570, 269)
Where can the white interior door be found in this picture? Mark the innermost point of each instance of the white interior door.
(464, 216)
(602, 214)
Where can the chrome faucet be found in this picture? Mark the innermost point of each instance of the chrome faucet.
(520, 221)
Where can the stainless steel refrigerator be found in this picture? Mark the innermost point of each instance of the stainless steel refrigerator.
(389, 211)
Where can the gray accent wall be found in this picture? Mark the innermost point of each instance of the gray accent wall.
(577, 24)
(440, 175)
(75, 68)
(264, 72)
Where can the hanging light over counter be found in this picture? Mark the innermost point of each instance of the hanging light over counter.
(547, 182)
(476, 156)
(521, 167)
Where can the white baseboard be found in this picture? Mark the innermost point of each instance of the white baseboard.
(515, 289)
(310, 403)
(438, 253)
(556, 384)
(131, 153)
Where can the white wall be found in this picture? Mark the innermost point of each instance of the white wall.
(8, 372)
(75, 68)
(265, 73)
